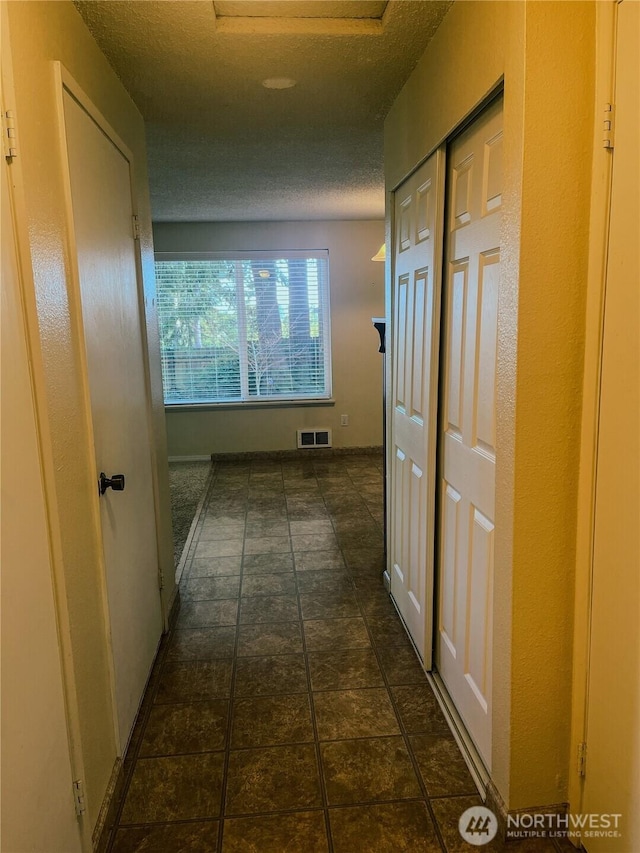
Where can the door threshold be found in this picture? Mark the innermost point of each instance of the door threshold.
(474, 762)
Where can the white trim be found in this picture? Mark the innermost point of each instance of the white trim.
(241, 255)
(601, 165)
(66, 81)
(271, 403)
(206, 458)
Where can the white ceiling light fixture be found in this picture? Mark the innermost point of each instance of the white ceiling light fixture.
(279, 83)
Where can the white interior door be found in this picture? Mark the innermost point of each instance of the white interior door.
(414, 390)
(102, 216)
(612, 769)
(468, 416)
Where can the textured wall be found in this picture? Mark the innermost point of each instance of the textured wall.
(356, 295)
(41, 33)
(544, 53)
(35, 749)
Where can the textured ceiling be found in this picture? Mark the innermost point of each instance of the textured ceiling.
(223, 147)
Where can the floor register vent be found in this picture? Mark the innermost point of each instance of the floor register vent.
(314, 438)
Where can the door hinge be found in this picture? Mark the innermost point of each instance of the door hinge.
(608, 125)
(78, 796)
(160, 579)
(582, 758)
(10, 142)
(136, 227)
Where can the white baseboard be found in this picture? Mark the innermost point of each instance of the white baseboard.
(190, 458)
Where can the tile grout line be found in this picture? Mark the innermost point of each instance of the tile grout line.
(314, 722)
(232, 685)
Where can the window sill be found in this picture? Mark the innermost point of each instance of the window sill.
(258, 404)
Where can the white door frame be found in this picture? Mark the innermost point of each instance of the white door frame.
(600, 209)
(606, 19)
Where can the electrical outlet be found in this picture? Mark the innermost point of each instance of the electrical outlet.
(344, 420)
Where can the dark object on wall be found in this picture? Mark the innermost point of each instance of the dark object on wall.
(380, 324)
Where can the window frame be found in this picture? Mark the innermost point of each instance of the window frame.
(262, 401)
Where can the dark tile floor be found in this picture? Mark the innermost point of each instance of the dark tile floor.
(287, 710)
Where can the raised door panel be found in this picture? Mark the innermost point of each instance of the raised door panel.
(484, 416)
(422, 313)
(478, 614)
(402, 349)
(454, 362)
(450, 577)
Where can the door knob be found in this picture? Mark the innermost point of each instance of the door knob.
(116, 482)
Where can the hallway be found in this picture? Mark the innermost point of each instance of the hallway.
(287, 710)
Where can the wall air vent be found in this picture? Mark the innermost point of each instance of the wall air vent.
(314, 438)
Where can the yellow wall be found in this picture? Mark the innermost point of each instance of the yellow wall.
(357, 294)
(544, 52)
(37, 803)
(40, 33)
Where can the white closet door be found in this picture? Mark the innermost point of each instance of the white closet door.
(468, 417)
(414, 388)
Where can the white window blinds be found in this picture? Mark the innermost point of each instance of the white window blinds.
(244, 327)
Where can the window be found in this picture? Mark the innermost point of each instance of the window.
(246, 326)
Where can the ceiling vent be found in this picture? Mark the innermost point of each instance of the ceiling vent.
(314, 438)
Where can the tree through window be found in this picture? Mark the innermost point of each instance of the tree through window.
(242, 327)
